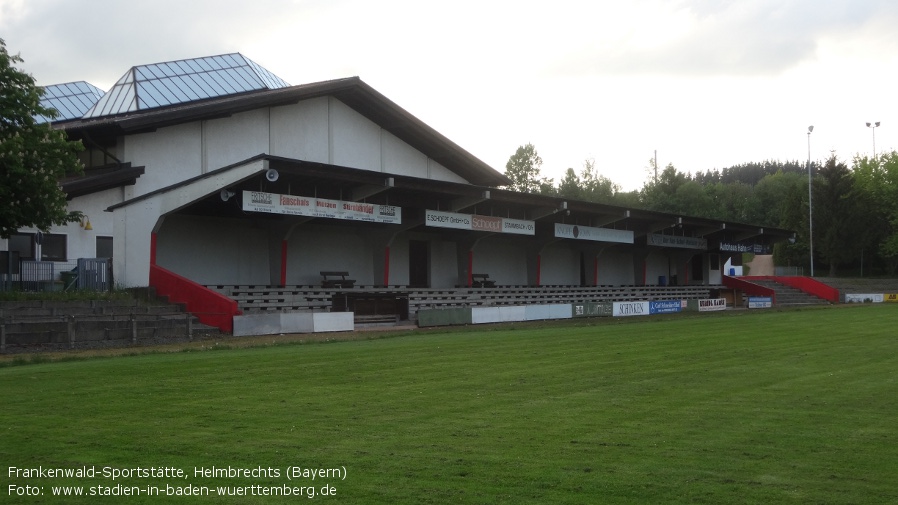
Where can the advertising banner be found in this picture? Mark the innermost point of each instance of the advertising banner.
(712, 304)
(746, 248)
(272, 203)
(623, 309)
(596, 234)
(760, 302)
(479, 223)
(677, 241)
(864, 298)
(592, 309)
(891, 297)
(666, 306)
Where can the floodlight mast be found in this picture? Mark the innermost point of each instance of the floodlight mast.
(810, 203)
(874, 126)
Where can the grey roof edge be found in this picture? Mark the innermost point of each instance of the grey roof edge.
(350, 90)
(499, 194)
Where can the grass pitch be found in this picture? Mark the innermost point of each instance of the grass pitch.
(739, 407)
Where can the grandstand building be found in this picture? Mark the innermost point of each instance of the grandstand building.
(217, 171)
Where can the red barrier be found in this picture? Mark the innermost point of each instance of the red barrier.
(747, 287)
(211, 308)
(807, 284)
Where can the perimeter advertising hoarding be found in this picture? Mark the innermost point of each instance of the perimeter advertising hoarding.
(595, 234)
(272, 203)
(666, 306)
(623, 309)
(712, 304)
(592, 309)
(891, 297)
(760, 302)
(474, 222)
(864, 298)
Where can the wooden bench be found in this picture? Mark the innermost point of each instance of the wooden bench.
(327, 280)
(482, 281)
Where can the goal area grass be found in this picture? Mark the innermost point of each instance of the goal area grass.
(778, 406)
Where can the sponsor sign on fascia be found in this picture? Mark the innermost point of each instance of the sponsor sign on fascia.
(676, 241)
(257, 201)
(596, 234)
(479, 223)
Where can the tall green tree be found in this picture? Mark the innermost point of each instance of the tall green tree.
(33, 156)
(838, 225)
(523, 168)
(595, 187)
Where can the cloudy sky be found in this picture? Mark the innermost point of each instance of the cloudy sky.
(705, 83)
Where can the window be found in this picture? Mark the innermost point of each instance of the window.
(23, 243)
(53, 247)
(104, 247)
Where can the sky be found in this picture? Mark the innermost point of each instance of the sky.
(705, 84)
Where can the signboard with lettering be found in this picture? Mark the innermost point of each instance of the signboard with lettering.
(712, 304)
(474, 222)
(666, 306)
(623, 309)
(272, 203)
(864, 298)
(760, 302)
(677, 241)
(891, 297)
(595, 234)
(746, 248)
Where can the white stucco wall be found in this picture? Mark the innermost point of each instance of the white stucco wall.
(444, 264)
(169, 155)
(313, 249)
(300, 131)
(505, 260)
(213, 251)
(560, 264)
(233, 139)
(615, 267)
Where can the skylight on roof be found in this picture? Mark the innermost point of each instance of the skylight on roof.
(71, 100)
(175, 82)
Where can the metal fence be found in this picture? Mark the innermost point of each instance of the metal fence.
(93, 274)
(789, 271)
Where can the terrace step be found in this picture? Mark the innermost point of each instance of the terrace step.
(787, 296)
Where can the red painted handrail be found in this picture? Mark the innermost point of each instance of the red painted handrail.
(211, 308)
(748, 288)
(807, 284)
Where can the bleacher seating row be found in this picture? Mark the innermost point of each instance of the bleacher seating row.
(253, 299)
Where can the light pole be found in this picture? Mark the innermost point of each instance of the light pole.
(810, 203)
(874, 125)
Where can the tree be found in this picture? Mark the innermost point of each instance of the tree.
(33, 156)
(837, 223)
(594, 186)
(523, 170)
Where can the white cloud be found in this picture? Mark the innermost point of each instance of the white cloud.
(708, 83)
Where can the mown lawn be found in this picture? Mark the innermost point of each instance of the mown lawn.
(759, 407)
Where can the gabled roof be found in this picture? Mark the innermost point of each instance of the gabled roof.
(71, 100)
(352, 91)
(163, 84)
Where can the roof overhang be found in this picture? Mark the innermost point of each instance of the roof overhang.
(352, 91)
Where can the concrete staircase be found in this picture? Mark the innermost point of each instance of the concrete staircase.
(57, 325)
(788, 296)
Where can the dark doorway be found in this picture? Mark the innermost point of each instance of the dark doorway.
(417, 263)
(698, 272)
